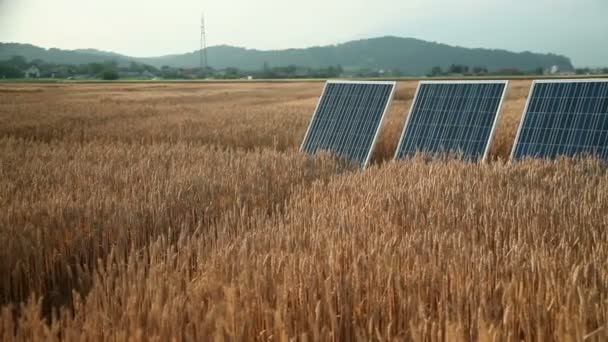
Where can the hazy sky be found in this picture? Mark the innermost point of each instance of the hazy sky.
(576, 28)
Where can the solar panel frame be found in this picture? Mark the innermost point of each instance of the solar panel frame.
(494, 124)
(529, 101)
(393, 85)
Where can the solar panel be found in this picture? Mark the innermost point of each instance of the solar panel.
(452, 117)
(348, 119)
(564, 118)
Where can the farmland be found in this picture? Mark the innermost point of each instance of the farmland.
(155, 211)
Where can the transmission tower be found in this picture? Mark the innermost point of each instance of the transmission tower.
(203, 50)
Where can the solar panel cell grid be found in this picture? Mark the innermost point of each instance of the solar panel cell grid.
(567, 117)
(348, 118)
(452, 117)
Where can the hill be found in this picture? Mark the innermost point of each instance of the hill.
(59, 56)
(410, 56)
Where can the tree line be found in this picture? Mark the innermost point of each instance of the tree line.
(457, 69)
(16, 66)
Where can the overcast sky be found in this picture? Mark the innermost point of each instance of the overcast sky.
(576, 28)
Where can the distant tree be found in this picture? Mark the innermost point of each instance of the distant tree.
(8, 70)
(509, 72)
(436, 71)
(81, 69)
(331, 72)
(605, 71)
(456, 69)
(111, 64)
(149, 68)
(136, 67)
(39, 62)
(539, 71)
(18, 62)
(109, 75)
(267, 72)
(169, 73)
(95, 68)
(233, 73)
(291, 69)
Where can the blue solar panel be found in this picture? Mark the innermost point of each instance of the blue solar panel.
(564, 118)
(348, 119)
(452, 117)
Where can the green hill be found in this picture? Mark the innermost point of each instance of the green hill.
(410, 56)
(58, 56)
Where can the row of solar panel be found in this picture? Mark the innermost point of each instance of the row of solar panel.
(562, 117)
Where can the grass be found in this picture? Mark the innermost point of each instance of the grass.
(184, 211)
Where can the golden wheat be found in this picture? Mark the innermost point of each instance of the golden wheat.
(184, 211)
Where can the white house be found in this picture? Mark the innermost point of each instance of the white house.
(32, 72)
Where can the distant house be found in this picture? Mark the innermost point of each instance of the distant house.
(554, 70)
(32, 72)
(557, 71)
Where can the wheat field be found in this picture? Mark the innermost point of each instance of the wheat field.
(167, 211)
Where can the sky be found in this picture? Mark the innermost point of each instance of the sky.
(145, 28)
